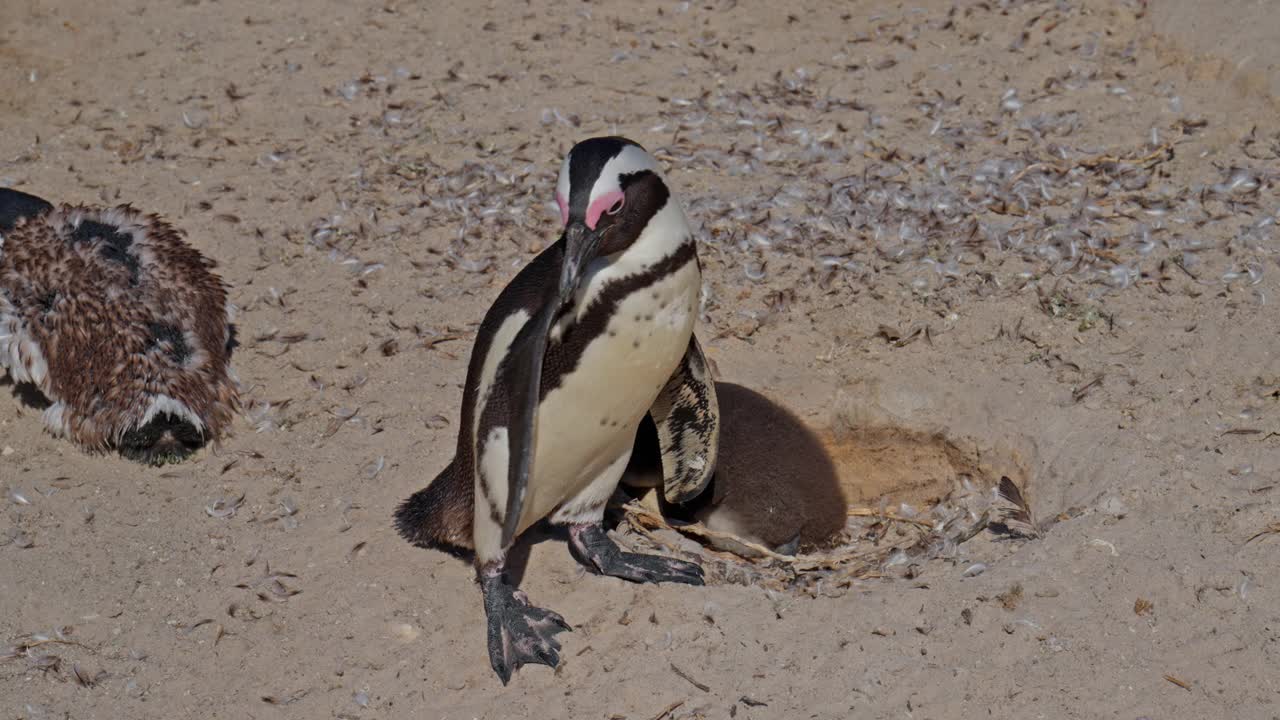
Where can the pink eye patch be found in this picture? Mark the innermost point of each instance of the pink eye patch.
(601, 204)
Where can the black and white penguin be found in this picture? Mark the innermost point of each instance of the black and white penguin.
(119, 323)
(588, 339)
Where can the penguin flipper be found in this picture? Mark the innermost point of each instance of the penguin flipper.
(16, 205)
(524, 378)
(688, 422)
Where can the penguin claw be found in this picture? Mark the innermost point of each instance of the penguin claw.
(595, 547)
(519, 633)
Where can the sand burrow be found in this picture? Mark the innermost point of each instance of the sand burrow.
(794, 488)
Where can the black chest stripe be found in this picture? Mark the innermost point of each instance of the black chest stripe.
(563, 357)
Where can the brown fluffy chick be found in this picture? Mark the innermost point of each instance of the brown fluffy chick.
(119, 323)
(775, 482)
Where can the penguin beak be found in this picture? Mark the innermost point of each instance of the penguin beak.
(580, 248)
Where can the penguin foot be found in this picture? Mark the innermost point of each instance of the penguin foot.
(595, 548)
(519, 634)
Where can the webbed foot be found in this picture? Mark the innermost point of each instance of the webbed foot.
(595, 548)
(519, 633)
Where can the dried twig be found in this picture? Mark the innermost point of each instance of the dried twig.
(685, 676)
(1180, 683)
(1272, 529)
(1083, 391)
(886, 515)
(668, 710)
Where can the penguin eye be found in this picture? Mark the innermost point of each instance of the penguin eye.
(617, 207)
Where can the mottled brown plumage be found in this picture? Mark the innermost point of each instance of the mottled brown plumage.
(121, 324)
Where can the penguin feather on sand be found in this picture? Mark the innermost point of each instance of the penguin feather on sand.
(595, 334)
(119, 323)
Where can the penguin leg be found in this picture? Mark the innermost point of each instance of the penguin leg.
(519, 633)
(593, 547)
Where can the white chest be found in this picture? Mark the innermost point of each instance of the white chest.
(590, 420)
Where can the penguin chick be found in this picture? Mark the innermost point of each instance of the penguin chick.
(775, 483)
(595, 334)
(119, 323)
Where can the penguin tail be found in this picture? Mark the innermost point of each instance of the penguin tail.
(439, 516)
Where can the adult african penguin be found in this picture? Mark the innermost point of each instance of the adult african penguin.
(589, 338)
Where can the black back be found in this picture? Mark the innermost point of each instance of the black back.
(16, 205)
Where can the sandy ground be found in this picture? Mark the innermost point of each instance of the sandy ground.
(1089, 261)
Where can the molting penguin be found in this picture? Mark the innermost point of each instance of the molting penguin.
(119, 323)
(588, 339)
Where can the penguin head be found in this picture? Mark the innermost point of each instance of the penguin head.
(608, 190)
(170, 432)
(171, 401)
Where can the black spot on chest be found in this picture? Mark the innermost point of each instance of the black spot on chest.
(172, 340)
(113, 244)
